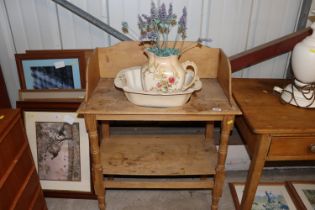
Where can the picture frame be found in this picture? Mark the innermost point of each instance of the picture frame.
(56, 69)
(272, 194)
(51, 95)
(303, 193)
(42, 118)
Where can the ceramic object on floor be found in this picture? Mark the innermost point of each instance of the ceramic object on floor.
(129, 80)
(167, 74)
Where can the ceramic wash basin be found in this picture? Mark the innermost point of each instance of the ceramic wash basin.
(129, 80)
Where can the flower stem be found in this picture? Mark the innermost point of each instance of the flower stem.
(175, 41)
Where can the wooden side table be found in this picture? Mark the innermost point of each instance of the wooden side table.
(273, 131)
(152, 156)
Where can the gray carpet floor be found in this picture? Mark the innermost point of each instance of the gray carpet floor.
(177, 199)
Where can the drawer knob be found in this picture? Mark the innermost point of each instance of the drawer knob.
(312, 148)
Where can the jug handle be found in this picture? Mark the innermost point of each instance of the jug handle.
(195, 69)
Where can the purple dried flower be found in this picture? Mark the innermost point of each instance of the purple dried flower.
(155, 27)
(183, 18)
(182, 24)
(162, 12)
(147, 19)
(154, 12)
(170, 11)
(153, 36)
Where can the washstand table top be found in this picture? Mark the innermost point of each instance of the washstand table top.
(210, 100)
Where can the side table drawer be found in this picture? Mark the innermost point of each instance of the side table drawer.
(292, 148)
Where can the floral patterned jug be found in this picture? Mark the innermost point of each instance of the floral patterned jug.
(167, 74)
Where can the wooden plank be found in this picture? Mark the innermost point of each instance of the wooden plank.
(267, 50)
(152, 155)
(92, 74)
(201, 184)
(129, 53)
(159, 117)
(225, 75)
(108, 100)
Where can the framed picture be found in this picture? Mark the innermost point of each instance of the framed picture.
(51, 70)
(59, 145)
(51, 95)
(54, 129)
(268, 196)
(303, 193)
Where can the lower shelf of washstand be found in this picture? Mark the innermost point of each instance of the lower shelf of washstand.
(158, 155)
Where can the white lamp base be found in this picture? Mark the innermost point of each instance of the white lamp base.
(290, 94)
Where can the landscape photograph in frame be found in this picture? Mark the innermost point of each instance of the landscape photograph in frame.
(268, 196)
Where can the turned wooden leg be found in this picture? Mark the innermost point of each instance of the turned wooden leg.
(255, 170)
(226, 127)
(99, 187)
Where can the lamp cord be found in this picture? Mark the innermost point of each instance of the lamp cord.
(305, 90)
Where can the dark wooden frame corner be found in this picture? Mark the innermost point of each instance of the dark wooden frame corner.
(294, 194)
(237, 202)
(53, 54)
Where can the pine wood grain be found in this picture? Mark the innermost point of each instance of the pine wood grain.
(19, 183)
(271, 129)
(201, 184)
(107, 99)
(160, 155)
(265, 113)
(298, 148)
(130, 53)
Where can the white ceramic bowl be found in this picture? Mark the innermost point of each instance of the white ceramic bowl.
(129, 80)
